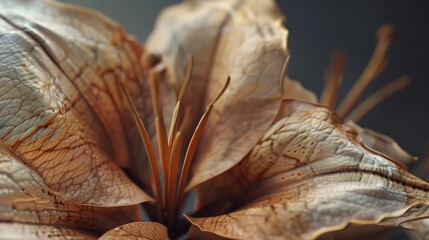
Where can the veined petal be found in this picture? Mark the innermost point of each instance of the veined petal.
(384, 144)
(311, 174)
(60, 98)
(26, 199)
(138, 230)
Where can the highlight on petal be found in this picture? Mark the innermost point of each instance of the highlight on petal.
(17, 231)
(137, 230)
(62, 109)
(240, 39)
(311, 174)
(25, 198)
(420, 227)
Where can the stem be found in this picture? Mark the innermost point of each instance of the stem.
(149, 151)
(172, 179)
(190, 151)
(161, 133)
(174, 122)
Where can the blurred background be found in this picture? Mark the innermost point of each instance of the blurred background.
(319, 27)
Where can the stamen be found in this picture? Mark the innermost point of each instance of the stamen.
(174, 122)
(174, 168)
(333, 81)
(378, 97)
(377, 63)
(161, 133)
(190, 151)
(149, 151)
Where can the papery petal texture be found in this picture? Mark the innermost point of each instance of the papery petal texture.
(26, 199)
(385, 145)
(311, 174)
(62, 109)
(138, 230)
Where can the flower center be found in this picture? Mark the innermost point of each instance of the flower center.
(169, 190)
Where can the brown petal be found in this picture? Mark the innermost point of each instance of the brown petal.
(241, 39)
(310, 174)
(138, 230)
(25, 198)
(61, 107)
(17, 231)
(384, 144)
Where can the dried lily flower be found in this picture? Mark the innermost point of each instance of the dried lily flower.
(266, 159)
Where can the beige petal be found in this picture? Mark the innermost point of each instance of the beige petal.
(420, 228)
(311, 174)
(293, 89)
(384, 144)
(138, 230)
(241, 39)
(17, 231)
(25, 198)
(61, 106)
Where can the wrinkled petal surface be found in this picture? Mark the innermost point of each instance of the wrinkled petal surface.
(25, 198)
(60, 100)
(311, 174)
(385, 145)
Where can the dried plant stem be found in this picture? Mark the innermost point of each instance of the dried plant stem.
(174, 122)
(172, 178)
(150, 152)
(190, 151)
(375, 66)
(333, 81)
(372, 101)
(161, 132)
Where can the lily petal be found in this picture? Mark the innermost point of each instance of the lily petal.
(25, 198)
(311, 174)
(384, 144)
(60, 100)
(138, 230)
(17, 231)
(241, 39)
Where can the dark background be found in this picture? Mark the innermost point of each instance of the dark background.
(319, 27)
(316, 29)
